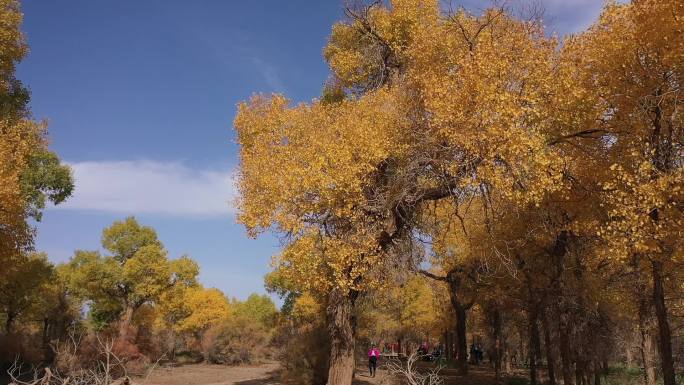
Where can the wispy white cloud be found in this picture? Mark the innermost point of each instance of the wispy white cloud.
(270, 74)
(151, 187)
(241, 56)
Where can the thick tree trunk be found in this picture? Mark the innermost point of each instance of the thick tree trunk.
(462, 348)
(535, 349)
(522, 347)
(46, 332)
(341, 328)
(664, 334)
(9, 322)
(662, 162)
(498, 343)
(560, 248)
(506, 361)
(581, 373)
(648, 357)
(647, 342)
(566, 361)
(453, 279)
(125, 322)
(578, 374)
(597, 373)
(460, 309)
(550, 356)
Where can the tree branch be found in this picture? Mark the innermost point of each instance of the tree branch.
(433, 276)
(580, 134)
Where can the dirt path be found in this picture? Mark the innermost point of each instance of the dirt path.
(266, 374)
(362, 377)
(202, 374)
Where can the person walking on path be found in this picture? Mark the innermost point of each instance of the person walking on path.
(373, 355)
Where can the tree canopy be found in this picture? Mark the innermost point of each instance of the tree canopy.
(540, 171)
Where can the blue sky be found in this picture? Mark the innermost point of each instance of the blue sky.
(140, 96)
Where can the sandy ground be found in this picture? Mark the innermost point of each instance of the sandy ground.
(266, 374)
(202, 374)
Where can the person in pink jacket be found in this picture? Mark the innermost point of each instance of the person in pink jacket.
(373, 355)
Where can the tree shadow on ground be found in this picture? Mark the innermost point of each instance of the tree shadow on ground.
(272, 378)
(262, 381)
(363, 379)
(478, 375)
(358, 381)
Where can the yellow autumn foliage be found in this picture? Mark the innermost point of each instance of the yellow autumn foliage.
(435, 107)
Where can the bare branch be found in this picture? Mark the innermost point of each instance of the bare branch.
(433, 276)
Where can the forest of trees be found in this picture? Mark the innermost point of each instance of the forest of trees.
(149, 307)
(463, 179)
(537, 182)
(133, 301)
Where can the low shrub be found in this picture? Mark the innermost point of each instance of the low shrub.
(305, 354)
(623, 375)
(188, 357)
(238, 340)
(28, 348)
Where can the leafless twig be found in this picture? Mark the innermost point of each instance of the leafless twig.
(408, 374)
(109, 370)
